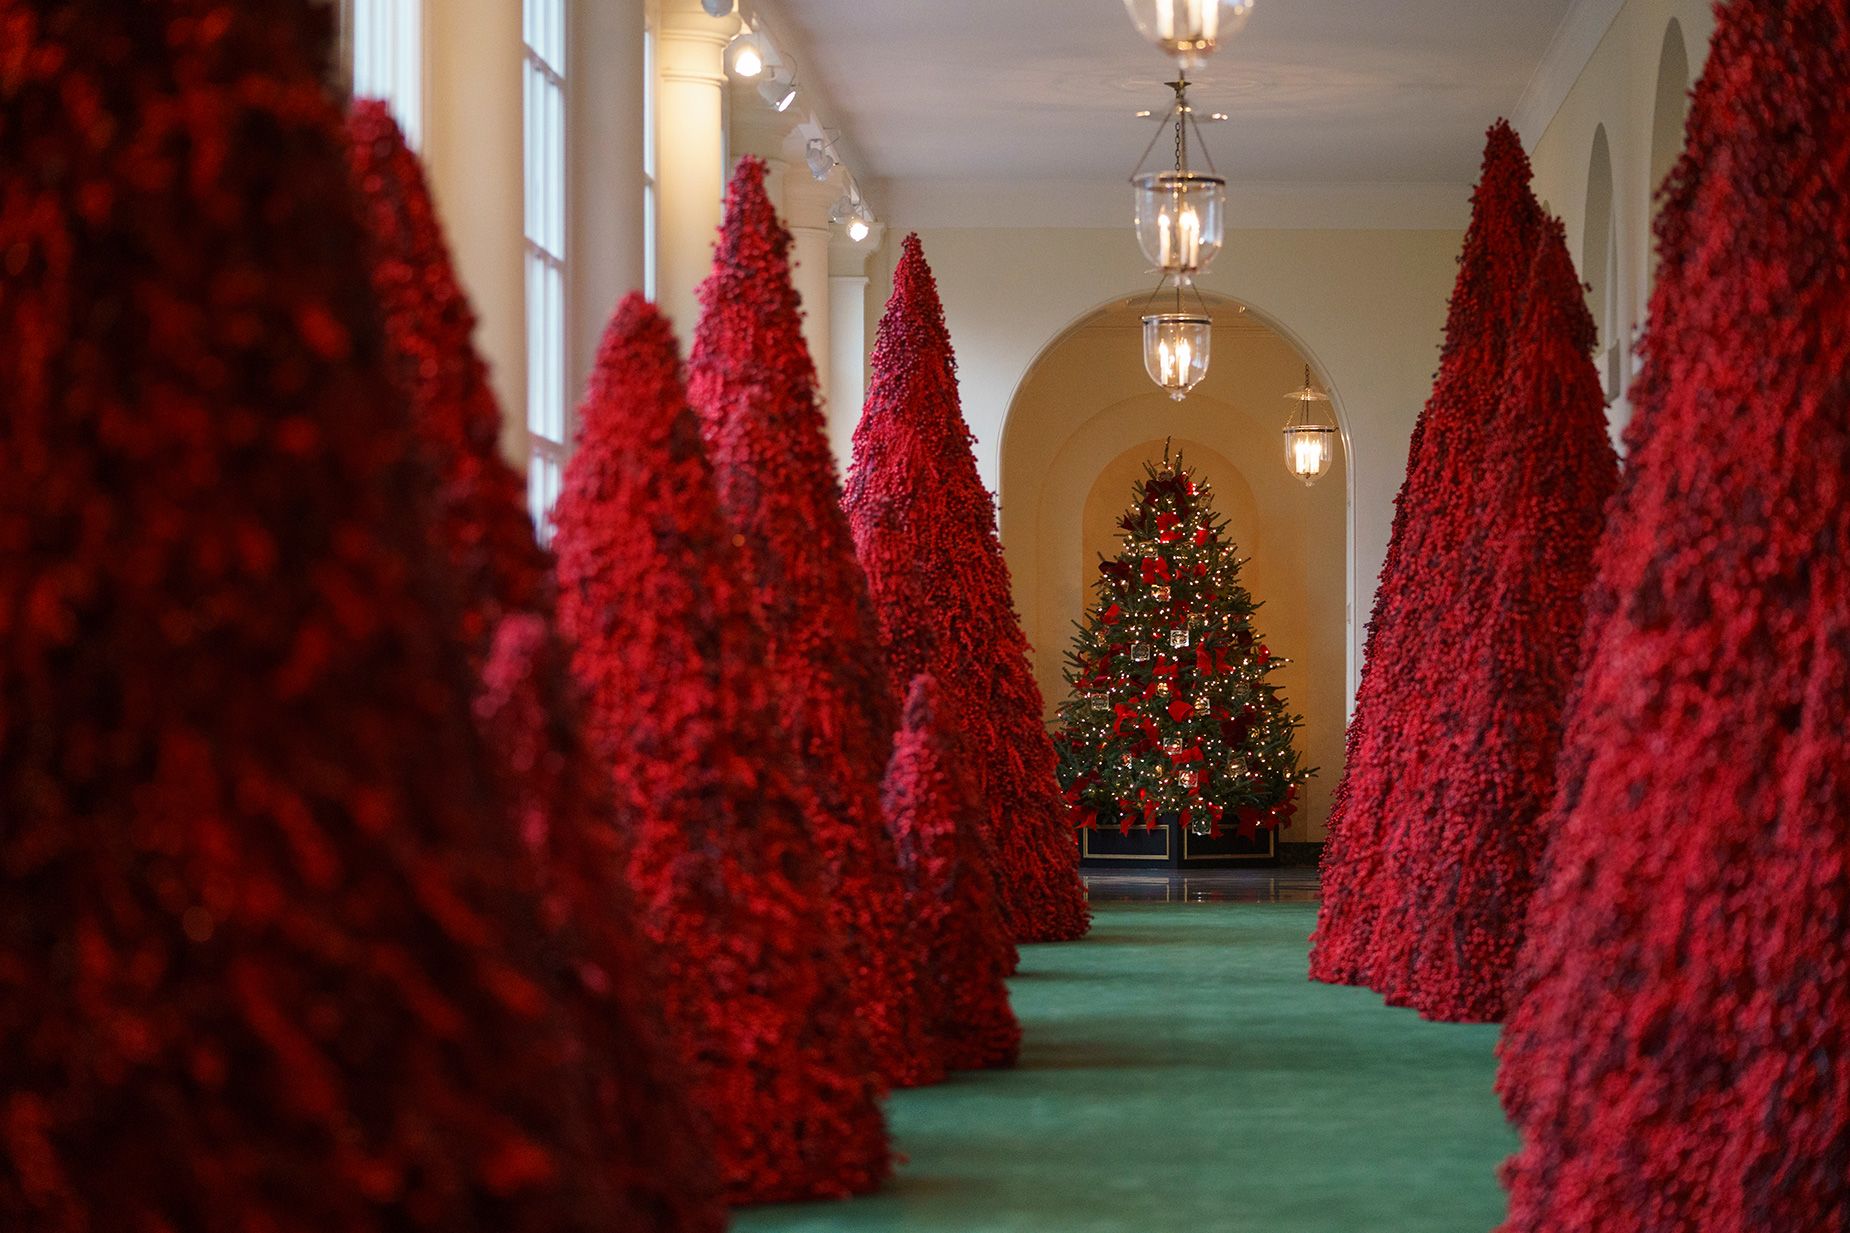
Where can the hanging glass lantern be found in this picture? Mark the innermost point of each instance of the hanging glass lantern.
(1180, 219)
(1180, 212)
(1310, 441)
(1175, 350)
(1190, 30)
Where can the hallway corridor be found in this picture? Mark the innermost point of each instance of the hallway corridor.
(1180, 1075)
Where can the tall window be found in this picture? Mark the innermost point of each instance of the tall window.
(544, 103)
(648, 162)
(388, 58)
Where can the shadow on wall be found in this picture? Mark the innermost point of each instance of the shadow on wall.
(1079, 430)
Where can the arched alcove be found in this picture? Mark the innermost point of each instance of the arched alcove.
(1600, 266)
(1669, 112)
(1080, 426)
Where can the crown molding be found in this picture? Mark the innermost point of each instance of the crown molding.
(1575, 40)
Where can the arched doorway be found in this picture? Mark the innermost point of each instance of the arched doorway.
(1081, 424)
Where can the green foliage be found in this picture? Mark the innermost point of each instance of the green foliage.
(1171, 710)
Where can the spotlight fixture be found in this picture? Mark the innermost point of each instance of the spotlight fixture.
(817, 155)
(850, 209)
(1189, 30)
(1310, 441)
(746, 54)
(779, 89)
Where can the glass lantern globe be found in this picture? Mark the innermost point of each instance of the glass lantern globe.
(1309, 449)
(1175, 350)
(1189, 30)
(1180, 220)
(1310, 440)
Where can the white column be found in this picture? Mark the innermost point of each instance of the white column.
(848, 362)
(604, 153)
(473, 149)
(849, 341)
(691, 154)
(809, 271)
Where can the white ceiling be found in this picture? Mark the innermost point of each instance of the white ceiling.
(1319, 91)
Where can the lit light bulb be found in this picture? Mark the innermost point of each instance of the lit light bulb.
(747, 61)
(857, 229)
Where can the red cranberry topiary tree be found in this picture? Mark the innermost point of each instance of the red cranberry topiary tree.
(752, 382)
(950, 892)
(1464, 862)
(271, 954)
(1679, 1057)
(659, 603)
(1434, 514)
(482, 526)
(527, 704)
(925, 528)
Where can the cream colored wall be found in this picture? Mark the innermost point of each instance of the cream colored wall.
(1367, 308)
(1617, 90)
(1083, 422)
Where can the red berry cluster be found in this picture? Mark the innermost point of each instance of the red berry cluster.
(751, 379)
(482, 525)
(527, 703)
(272, 955)
(1679, 1053)
(719, 822)
(925, 529)
(1434, 519)
(950, 893)
(1466, 835)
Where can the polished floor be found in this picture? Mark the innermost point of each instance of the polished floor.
(1181, 1075)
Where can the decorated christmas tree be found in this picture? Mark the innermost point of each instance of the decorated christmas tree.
(273, 954)
(950, 893)
(718, 821)
(1469, 837)
(1679, 1054)
(1172, 715)
(1438, 508)
(925, 530)
(751, 380)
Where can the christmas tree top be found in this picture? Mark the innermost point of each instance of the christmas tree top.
(1171, 714)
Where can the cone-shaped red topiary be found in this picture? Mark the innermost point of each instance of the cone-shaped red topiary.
(925, 529)
(271, 954)
(656, 597)
(1434, 514)
(1467, 815)
(483, 526)
(1679, 1057)
(528, 711)
(950, 892)
(752, 382)
(527, 703)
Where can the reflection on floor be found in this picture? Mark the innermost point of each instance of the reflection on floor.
(1268, 885)
(1181, 1075)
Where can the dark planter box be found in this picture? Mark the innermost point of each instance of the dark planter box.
(1170, 846)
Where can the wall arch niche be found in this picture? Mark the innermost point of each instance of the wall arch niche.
(1599, 265)
(1080, 426)
(1668, 114)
